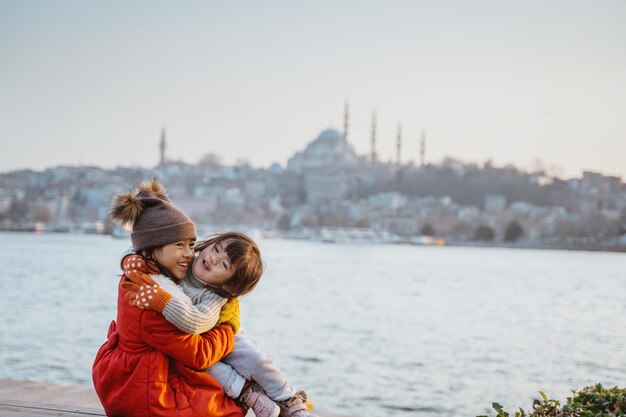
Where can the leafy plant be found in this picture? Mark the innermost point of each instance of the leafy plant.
(591, 401)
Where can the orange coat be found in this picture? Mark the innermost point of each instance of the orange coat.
(147, 368)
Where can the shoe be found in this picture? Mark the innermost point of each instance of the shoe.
(296, 406)
(261, 405)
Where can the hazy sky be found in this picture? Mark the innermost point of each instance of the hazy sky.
(86, 82)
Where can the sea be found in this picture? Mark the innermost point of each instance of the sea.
(374, 330)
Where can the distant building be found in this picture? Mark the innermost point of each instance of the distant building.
(403, 225)
(162, 146)
(521, 207)
(6, 197)
(603, 193)
(323, 165)
(495, 204)
(328, 152)
(390, 201)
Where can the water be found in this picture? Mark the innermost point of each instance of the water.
(368, 330)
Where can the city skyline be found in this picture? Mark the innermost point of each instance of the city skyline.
(93, 84)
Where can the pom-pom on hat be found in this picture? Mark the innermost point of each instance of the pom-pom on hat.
(151, 216)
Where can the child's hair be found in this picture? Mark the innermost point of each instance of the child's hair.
(245, 258)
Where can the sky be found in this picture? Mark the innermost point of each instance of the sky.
(93, 83)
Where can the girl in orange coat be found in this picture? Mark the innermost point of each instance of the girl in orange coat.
(147, 367)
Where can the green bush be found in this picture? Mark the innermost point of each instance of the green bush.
(592, 401)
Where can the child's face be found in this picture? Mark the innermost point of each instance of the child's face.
(213, 265)
(176, 257)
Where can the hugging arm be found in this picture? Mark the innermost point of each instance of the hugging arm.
(195, 351)
(172, 302)
(194, 319)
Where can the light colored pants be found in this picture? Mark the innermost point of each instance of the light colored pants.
(246, 361)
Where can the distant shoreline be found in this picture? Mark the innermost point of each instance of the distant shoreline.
(451, 243)
(538, 246)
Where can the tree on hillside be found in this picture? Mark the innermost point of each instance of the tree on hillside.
(427, 230)
(17, 210)
(468, 184)
(513, 231)
(484, 233)
(284, 222)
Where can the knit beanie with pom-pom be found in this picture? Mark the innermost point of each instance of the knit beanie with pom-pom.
(152, 217)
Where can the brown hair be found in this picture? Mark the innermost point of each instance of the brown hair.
(245, 258)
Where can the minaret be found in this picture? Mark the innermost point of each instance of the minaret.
(399, 143)
(162, 147)
(423, 148)
(346, 116)
(373, 155)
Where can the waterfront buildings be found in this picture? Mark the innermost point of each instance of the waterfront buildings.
(328, 185)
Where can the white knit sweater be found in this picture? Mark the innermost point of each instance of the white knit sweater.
(194, 308)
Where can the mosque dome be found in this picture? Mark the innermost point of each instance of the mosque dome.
(328, 150)
(328, 138)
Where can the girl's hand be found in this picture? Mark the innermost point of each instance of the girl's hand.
(230, 314)
(145, 296)
(140, 278)
(135, 263)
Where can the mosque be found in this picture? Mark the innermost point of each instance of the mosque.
(328, 153)
(329, 165)
(330, 150)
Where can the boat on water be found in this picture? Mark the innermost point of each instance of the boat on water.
(422, 240)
